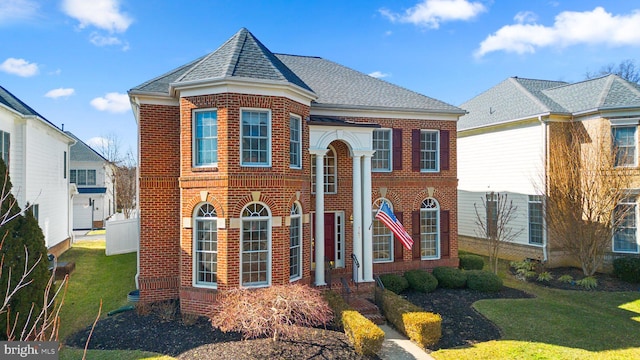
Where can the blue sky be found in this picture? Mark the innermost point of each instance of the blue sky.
(73, 61)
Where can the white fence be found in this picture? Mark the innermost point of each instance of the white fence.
(122, 236)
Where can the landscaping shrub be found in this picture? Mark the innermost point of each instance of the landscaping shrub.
(394, 282)
(421, 281)
(524, 269)
(567, 279)
(274, 311)
(450, 278)
(484, 281)
(627, 269)
(471, 262)
(365, 336)
(588, 283)
(422, 327)
(338, 305)
(545, 276)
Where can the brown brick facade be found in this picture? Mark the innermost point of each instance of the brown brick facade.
(171, 189)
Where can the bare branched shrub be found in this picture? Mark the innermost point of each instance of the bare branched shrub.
(584, 189)
(493, 223)
(275, 311)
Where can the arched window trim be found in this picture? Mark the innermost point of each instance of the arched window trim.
(205, 214)
(295, 250)
(429, 212)
(382, 237)
(262, 218)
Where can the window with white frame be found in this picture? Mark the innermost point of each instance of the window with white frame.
(536, 234)
(429, 155)
(82, 177)
(429, 229)
(205, 237)
(295, 243)
(492, 214)
(255, 133)
(626, 231)
(624, 144)
(256, 246)
(5, 143)
(381, 159)
(295, 141)
(382, 237)
(205, 142)
(330, 172)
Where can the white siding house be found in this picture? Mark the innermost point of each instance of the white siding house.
(38, 155)
(503, 147)
(93, 175)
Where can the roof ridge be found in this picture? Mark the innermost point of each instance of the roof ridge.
(79, 141)
(529, 94)
(628, 84)
(606, 89)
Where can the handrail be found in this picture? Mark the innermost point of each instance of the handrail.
(379, 282)
(356, 266)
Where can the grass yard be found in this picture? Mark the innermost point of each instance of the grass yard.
(96, 277)
(559, 324)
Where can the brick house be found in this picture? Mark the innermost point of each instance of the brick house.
(247, 158)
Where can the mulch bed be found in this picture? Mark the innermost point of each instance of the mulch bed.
(461, 325)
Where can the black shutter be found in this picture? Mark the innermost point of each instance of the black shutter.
(397, 149)
(398, 248)
(444, 233)
(444, 150)
(415, 234)
(415, 149)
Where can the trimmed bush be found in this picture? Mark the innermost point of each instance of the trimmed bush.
(450, 278)
(627, 269)
(471, 262)
(422, 327)
(421, 281)
(365, 336)
(338, 305)
(484, 281)
(394, 282)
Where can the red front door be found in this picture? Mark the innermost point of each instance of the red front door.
(329, 238)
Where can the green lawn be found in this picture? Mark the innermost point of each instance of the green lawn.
(559, 324)
(96, 277)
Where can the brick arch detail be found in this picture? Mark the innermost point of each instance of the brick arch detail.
(290, 203)
(421, 195)
(237, 210)
(392, 196)
(194, 201)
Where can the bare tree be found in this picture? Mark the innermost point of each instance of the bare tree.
(493, 222)
(626, 69)
(123, 175)
(584, 190)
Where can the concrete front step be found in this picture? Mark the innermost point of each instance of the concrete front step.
(367, 309)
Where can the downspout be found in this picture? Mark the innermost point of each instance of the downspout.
(135, 106)
(545, 158)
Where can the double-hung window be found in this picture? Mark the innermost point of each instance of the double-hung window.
(295, 243)
(625, 236)
(624, 145)
(255, 133)
(382, 237)
(205, 148)
(492, 215)
(206, 245)
(4, 147)
(429, 156)
(295, 142)
(429, 229)
(381, 160)
(535, 220)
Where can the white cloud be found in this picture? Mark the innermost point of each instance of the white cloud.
(112, 102)
(20, 67)
(596, 27)
(103, 14)
(60, 92)
(16, 10)
(524, 17)
(98, 142)
(431, 13)
(99, 40)
(378, 74)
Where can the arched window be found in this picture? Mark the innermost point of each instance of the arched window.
(256, 246)
(429, 229)
(205, 238)
(295, 243)
(330, 172)
(382, 236)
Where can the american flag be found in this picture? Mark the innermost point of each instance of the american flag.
(386, 216)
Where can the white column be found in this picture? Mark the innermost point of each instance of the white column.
(367, 236)
(357, 213)
(319, 229)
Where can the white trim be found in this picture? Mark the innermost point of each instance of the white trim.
(437, 169)
(194, 240)
(390, 132)
(300, 140)
(152, 99)
(439, 238)
(269, 137)
(301, 242)
(269, 244)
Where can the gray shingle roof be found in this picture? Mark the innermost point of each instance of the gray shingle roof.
(16, 104)
(517, 98)
(244, 56)
(83, 152)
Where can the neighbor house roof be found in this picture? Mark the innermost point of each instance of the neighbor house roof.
(83, 152)
(517, 98)
(244, 57)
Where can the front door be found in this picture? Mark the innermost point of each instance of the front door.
(329, 237)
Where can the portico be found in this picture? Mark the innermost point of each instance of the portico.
(358, 138)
